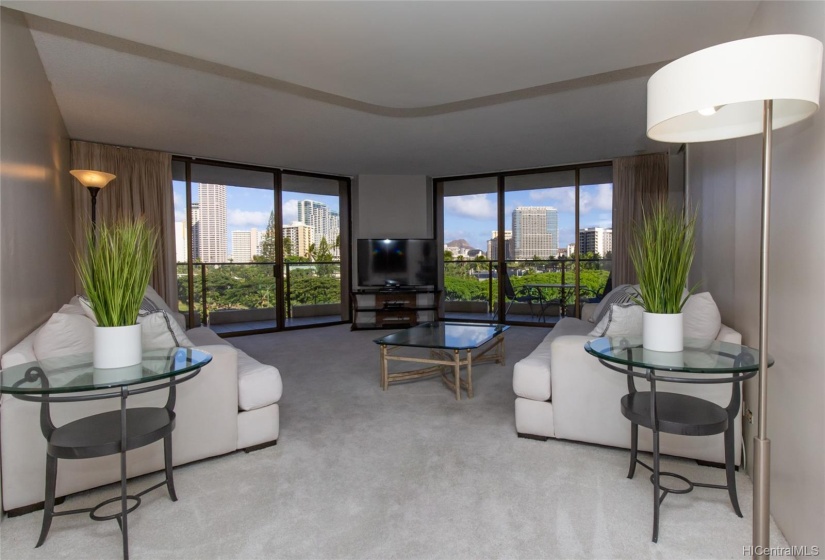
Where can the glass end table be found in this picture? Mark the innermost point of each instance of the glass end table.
(72, 379)
(701, 362)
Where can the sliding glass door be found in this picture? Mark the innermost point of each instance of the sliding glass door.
(526, 247)
(240, 236)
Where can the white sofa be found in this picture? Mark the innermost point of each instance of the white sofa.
(563, 392)
(231, 404)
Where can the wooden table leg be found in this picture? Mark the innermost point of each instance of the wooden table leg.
(457, 374)
(384, 374)
(469, 374)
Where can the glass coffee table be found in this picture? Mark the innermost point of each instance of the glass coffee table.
(446, 342)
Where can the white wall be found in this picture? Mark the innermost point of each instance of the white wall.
(36, 272)
(725, 179)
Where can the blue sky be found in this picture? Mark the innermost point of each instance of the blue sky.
(470, 217)
(473, 217)
(249, 208)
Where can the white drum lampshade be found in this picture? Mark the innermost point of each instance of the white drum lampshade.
(728, 83)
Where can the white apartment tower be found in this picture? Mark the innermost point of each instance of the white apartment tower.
(509, 246)
(535, 232)
(324, 224)
(596, 240)
(212, 219)
(245, 245)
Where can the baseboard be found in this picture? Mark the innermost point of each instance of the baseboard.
(17, 512)
(260, 446)
(532, 436)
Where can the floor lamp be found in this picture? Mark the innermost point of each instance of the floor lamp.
(94, 181)
(737, 89)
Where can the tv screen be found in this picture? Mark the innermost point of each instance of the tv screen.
(397, 262)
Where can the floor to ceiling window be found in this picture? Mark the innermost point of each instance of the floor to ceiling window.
(537, 241)
(246, 247)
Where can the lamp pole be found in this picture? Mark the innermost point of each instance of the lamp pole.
(93, 191)
(761, 443)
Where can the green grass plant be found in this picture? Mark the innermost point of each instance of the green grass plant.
(116, 269)
(662, 253)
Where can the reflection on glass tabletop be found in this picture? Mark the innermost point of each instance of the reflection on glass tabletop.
(700, 356)
(75, 372)
(441, 334)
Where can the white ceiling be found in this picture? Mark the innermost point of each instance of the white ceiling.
(431, 88)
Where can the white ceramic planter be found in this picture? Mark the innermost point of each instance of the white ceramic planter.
(105, 376)
(663, 332)
(117, 347)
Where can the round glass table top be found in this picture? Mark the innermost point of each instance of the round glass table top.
(698, 356)
(66, 374)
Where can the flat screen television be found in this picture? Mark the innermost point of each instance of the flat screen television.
(397, 262)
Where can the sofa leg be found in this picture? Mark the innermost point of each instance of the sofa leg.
(260, 446)
(531, 436)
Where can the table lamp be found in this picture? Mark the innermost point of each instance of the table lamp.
(727, 91)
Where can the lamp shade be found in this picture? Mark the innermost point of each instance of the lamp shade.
(89, 178)
(728, 83)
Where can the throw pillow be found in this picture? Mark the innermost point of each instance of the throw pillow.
(159, 331)
(619, 294)
(64, 334)
(702, 319)
(621, 319)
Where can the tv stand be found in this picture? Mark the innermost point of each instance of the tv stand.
(392, 307)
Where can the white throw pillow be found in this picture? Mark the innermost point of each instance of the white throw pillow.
(702, 319)
(64, 334)
(619, 294)
(621, 319)
(159, 331)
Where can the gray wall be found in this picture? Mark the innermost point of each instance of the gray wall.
(725, 179)
(36, 272)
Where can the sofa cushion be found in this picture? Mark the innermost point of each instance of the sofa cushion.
(622, 319)
(64, 334)
(259, 385)
(158, 330)
(619, 294)
(204, 336)
(701, 317)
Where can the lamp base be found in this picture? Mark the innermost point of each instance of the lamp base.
(761, 497)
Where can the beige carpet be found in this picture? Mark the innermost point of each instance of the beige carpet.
(407, 473)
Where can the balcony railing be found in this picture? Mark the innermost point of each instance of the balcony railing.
(246, 292)
(471, 286)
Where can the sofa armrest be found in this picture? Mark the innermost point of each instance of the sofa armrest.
(587, 310)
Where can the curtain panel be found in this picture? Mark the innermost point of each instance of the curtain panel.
(638, 181)
(143, 187)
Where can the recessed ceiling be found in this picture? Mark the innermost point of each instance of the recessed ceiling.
(383, 87)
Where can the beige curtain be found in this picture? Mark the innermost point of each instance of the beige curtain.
(637, 182)
(143, 187)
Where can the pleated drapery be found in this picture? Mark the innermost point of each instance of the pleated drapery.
(638, 181)
(142, 187)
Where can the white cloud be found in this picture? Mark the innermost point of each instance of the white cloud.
(290, 209)
(596, 197)
(562, 199)
(474, 206)
(245, 219)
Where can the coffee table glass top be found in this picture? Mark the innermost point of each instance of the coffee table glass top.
(441, 334)
(66, 374)
(699, 356)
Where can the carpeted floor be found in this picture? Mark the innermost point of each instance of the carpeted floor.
(407, 473)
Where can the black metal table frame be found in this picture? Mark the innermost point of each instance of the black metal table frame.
(731, 409)
(48, 428)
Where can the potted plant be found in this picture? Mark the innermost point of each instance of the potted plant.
(662, 252)
(115, 272)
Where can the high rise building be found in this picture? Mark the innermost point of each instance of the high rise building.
(212, 219)
(301, 236)
(535, 232)
(596, 240)
(196, 231)
(324, 223)
(180, 242)
(509, 246)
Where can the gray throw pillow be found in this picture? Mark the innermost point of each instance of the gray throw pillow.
(619, 294)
